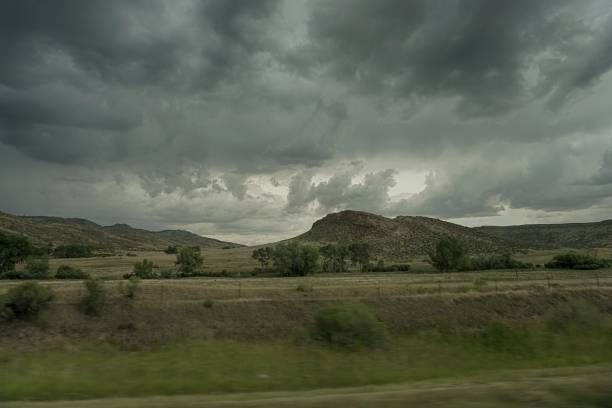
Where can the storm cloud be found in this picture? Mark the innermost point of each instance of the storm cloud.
(247, 120)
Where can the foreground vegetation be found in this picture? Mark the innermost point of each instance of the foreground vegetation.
(578, 334)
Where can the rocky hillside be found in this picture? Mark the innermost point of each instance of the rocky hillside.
(547, 236)
(62, 231)
(396, 238)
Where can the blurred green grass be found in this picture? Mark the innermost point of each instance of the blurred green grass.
(198, 367)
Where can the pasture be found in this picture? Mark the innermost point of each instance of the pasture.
(244, 337)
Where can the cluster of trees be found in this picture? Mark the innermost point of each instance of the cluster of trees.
(38, 269)
(290, 259)
(572, 260)
(73, 251)
(451, 255)
(335, 257)
(296, 259)
(189, 262)
(16, 249)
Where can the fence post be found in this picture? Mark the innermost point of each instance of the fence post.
(379, 289)
(440, 286)
(239, 290)
(597, 276)
(548, 280)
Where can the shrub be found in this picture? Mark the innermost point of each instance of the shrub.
(37, 269)
(349, 326)
(294, 259)
(69, 272)
(208, 303)
(381, 267)
(93, 302)
(144, 270)
(167, 274)
(189, 261)
(495, 261)
(304, 287)
(25, 301)
(450, 254)
(131, 289)
(172, 249)
(572, 260)
(73, 251)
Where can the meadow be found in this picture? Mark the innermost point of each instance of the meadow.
(245, 340)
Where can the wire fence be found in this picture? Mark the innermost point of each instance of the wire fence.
(373, 285)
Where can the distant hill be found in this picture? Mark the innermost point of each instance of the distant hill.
(548, 236)
(62, 231)
(399, 237)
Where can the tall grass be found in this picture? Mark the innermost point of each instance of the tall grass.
(213, 366)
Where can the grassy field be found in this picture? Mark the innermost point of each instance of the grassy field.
(247, 339)
(238, 261)
(197, 367)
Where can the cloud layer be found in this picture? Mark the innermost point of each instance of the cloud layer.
(247, 120)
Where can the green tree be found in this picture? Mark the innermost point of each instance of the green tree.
(13, 249)
(359, 253)
(334, 258)
(450, 254)
(144, 270)
(294, 259)
(189, 261)
(263, 256)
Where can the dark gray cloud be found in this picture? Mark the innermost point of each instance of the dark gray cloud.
(604, 174)
(477, 51)
(229, 117)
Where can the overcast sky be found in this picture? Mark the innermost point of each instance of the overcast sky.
(248, 120)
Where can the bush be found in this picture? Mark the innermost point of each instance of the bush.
(381, 267)
(495, 261)
(93, 302)
(25, 301)
(450, 254)
(208, 303)
(189, 261)
(73, 251)
(172, 249)
(144, 270)
(69, 272)
(572, 260)
(131, 289)
(349, 326)
(304, 287)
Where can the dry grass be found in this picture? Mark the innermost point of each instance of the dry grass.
(238, 261)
